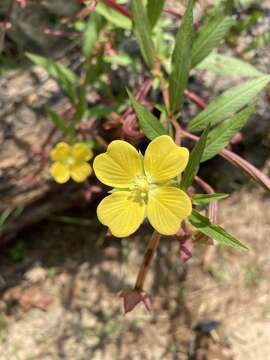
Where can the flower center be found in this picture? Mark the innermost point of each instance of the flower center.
(69, 161)
(140, 189)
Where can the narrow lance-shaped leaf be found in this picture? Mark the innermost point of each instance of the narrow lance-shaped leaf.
(220, 137)
(90, 36)
(66, 77)
(81, 105)
(209, 37)
(216, 232)
(113, 16)
(204, 199)
(228, 103)
(229, 65)
(154, 10)
(149, 124)
(142, 31)
(181, 59)
(194, 161)
(59, 122)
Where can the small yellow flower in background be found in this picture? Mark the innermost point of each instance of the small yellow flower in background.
(70, 162)
(143, 186)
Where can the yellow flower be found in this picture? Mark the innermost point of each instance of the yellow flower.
(143, 187)
(70, 162)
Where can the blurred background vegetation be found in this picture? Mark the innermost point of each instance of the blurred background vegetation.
(60, 272)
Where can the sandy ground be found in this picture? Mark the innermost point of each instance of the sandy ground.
(62, 283)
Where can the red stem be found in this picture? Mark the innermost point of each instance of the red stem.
(121, 9)
(196, 99)
(173, 12)
(239, 162)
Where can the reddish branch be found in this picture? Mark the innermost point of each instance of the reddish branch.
(148, 257)
(196, 99)
(81, 14)
(239, 162)
(61, 33)
(7, 22)
(174, 12)
(121, 9)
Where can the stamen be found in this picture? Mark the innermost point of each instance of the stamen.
(140, 189)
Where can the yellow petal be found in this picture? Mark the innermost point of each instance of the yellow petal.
(80, 171)
(164, 160)
(60, 152)
(120, 213)
(60, 173)
(166, 208)
(81, 152)
(119, 165)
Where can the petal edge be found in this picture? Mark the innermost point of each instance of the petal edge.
(166, 208)
(122, 215)
(164, 160)
(119, 165)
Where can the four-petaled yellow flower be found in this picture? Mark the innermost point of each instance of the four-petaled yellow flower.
(143, 186)
(70, 162)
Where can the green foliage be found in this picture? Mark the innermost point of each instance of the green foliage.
(204, 199)
(216, 232)
(180, 64)
(229, 102)
(228, 66)
(220, 137)
(194, 161)
(113, 16)
(66, 77)
(10, 214)
(142, 31)
(19, 251)
(259, 42)
(4, 216)
(246, 23)
(150, 125)
(60, 123)
(209, 37)
(91, 33)
(154, 10)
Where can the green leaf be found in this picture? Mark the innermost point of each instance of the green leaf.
(246, 22)
(90, 36)
(220, 136)
(4, 216)
(142, 31)
(66, 77)
(260, 41)
(194, 161)
(204, 199)
(149, 124)
(209, 37)
(228, 65)
(53, 68)
(228, 103)
(154, 10)
(93, 70)
(59, 122)
(113, 16)
(121, 59)
(216, 232)
(81, 105)
(181, 59)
